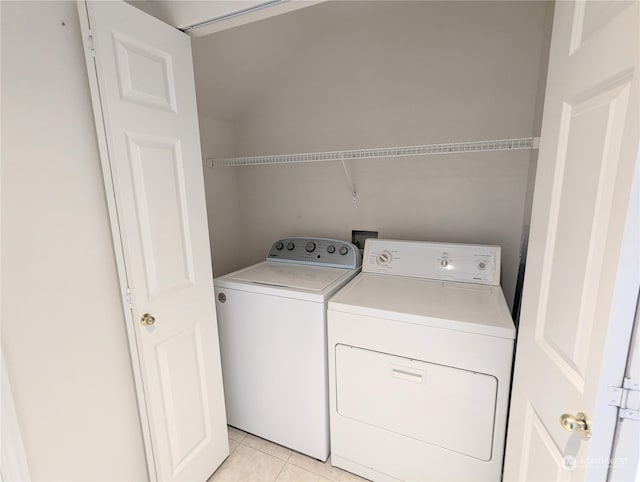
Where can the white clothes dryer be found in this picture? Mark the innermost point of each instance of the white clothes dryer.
(420, 356)
(273, 341)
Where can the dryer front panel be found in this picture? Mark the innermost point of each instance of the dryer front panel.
(440, 405)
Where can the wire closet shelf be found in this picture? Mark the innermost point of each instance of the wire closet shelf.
(521, 143)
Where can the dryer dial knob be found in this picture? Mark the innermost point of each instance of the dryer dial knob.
(384, 258)
(331, 249)
(290, 246)
(279, 245)
(310, 247)
(343, 250)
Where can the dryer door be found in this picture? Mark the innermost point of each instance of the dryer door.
(436, 404)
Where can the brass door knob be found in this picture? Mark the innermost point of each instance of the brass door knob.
(147, 319)
(576, 423)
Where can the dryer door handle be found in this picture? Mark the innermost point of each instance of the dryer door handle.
(408, 374)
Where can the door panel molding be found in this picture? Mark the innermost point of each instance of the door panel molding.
(128, 50)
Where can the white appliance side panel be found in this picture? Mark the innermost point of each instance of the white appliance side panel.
(274, 365)
(448, 407)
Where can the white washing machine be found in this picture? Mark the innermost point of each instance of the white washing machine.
(272, 320)
(420, 355)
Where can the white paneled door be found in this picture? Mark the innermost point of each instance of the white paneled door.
(143, 92)
(580, 286)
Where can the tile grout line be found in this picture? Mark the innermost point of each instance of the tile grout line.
(280, 471)
(286, 461)
(260, 450)
(266, 453)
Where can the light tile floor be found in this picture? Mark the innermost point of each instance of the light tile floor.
(252, 459)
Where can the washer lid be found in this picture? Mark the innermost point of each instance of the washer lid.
(282, 275)
(471, 308)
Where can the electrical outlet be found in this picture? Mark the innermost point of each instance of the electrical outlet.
(358, 237)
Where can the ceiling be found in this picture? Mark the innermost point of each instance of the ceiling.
(184, 13)
(234, 67)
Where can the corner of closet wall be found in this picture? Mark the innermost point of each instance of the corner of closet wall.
(536, 127)
(217, 139)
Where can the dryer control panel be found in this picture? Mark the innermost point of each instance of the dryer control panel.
(469, 263)
(330, 253)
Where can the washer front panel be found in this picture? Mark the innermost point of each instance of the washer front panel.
(315, 251)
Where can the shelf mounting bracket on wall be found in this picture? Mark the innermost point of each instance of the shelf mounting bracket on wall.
(347, 173)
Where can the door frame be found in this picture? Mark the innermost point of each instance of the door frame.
(118, 248)
(624, 446)
(626, 308)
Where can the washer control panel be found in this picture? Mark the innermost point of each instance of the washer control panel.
(470, 263)
(330, 253)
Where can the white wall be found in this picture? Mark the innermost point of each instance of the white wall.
(63, 334)
(223, 201)
(376, 74)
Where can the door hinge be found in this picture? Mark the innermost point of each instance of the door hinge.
(129, 300)
(626, 398)
(90, 43)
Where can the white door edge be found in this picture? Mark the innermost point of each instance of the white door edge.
(117, 241)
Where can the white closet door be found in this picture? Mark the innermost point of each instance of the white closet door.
(143, 91)
(580, 289)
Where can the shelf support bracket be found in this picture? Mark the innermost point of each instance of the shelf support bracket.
(347, 174)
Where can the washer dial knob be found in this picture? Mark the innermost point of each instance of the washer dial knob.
(310, 247)
(343, 250)
(444, 262)
(290, 246)
(331, 249)
(279, 245)
(482, 265)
